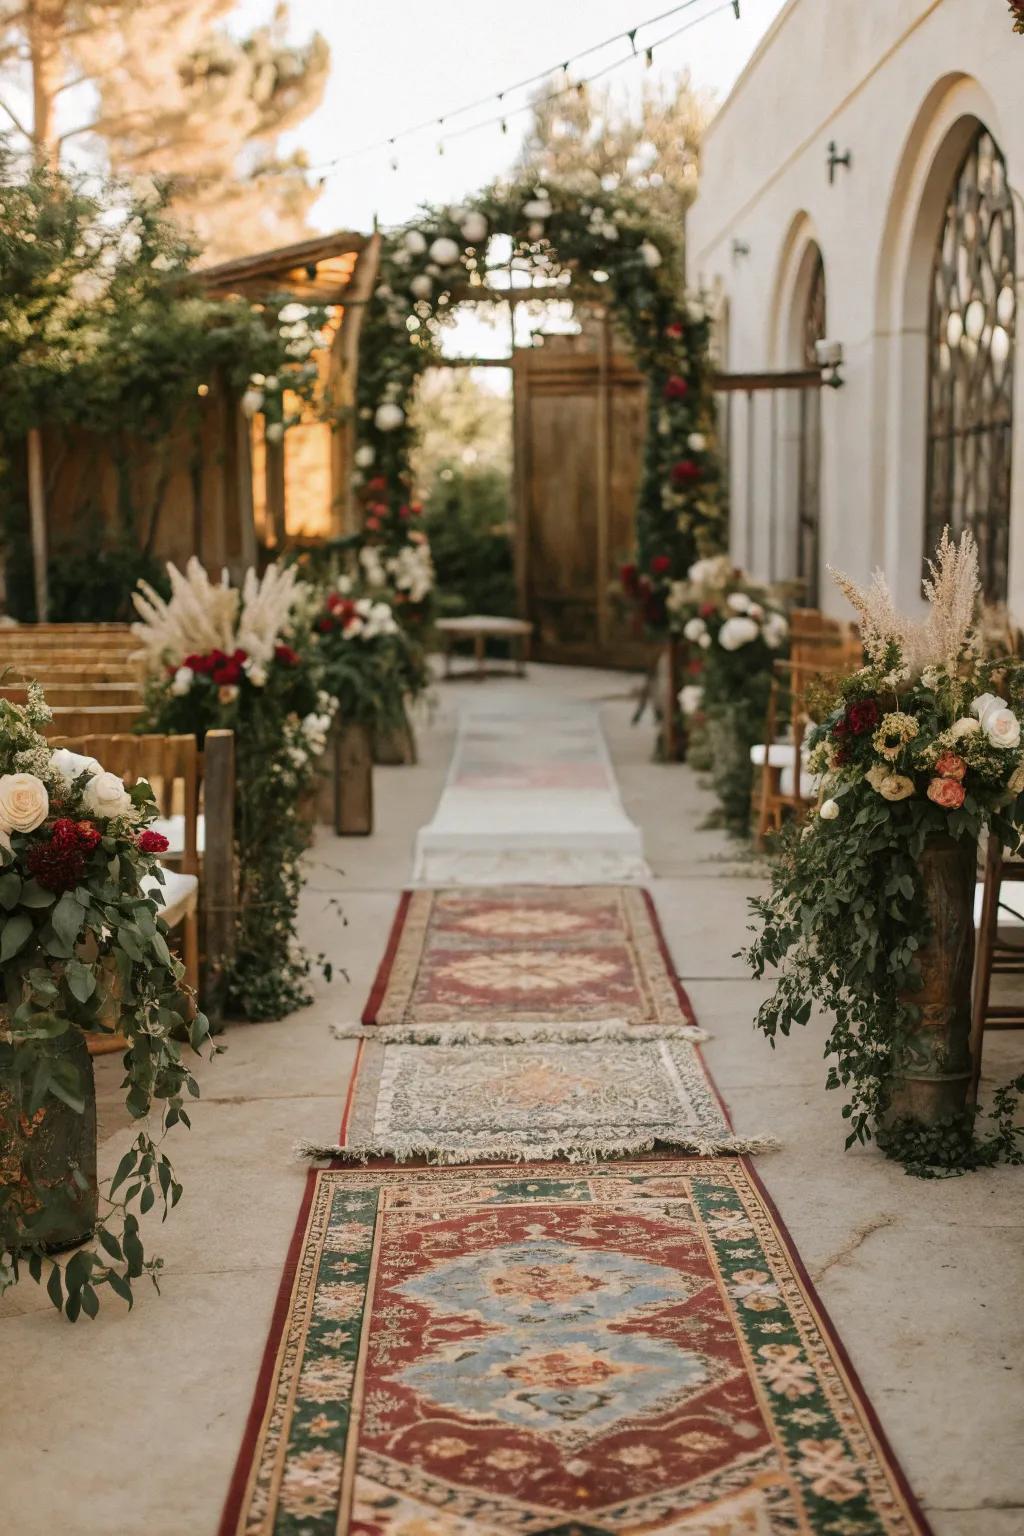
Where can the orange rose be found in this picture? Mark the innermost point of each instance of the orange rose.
(947, 793)
(950, 766)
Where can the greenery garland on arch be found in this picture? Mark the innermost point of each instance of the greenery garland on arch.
(609, 251)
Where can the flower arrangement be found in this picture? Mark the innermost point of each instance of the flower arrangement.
(82, 949)
(244, 660)
(1017, 12)
(733, 629)
(917, 749)
(613, 254)
(370, 663)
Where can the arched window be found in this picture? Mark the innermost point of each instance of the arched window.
(812, 330)
(971, 339)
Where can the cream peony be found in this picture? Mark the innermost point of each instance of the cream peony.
(70, 765)
(24, 803)
(964, 727)
(829, 810)
(891, 786)
(105, 795)
(736, 632)
(999, 723)
(739, 602)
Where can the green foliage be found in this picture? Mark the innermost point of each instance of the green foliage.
(280, 728)
(466, 516)
(91, 576)
(84, 949)
(847, 915)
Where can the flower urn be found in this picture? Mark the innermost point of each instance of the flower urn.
(932, 1065)
(48, 1154)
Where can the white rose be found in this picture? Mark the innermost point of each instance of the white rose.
(650, 254)
(182, 681)
(704, 642)
(736, 632)
(829, 810)
(756, 611)
(415, 243)
(70, 765)
(445, 251)
(696, 442)
(105, 795)
(691, 697)
(24, 802)
(1002, 728)
(965, 726)
(388, 417)
(739, 602)
(693, 629)
(365, 455)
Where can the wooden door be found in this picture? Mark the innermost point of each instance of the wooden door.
(579, 430)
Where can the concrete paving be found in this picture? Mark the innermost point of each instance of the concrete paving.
(132, 1423)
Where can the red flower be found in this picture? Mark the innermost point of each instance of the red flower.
(55, 867)
(627, 575)
(373, 523)
(151, 842)
(227, 674)
(64, 835)
(707, 610)
(674, 331)
(415, 508)
(676, 387)
(325, 624)
(286, 656)
(89, 835)
(862, 716)
(378, 483)
(660, 565)
(949, 765)
(947, 793)
(685, 472)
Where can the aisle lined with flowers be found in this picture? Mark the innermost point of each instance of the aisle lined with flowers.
(523, 1345)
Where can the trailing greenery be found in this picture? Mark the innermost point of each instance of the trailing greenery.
(611, 252)
(915, 752)
(264, 682)
(82, 950)
(104, 329)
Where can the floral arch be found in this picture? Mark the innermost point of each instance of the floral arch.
(599, 246)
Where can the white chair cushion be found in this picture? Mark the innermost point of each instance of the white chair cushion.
(180, 894)
(808, 783)
(1009, 915)
(173, 828)
(780, 753)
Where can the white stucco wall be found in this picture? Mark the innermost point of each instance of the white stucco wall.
(901, 84)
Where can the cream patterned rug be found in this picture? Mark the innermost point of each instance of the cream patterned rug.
(579, 1092)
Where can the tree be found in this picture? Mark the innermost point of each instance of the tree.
(585, 138)
(175, 96)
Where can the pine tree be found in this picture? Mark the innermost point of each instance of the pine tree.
(174, 94)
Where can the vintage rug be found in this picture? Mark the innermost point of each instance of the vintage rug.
(530, 796)
(518, 953)
(548, 1351)
(576, 1091)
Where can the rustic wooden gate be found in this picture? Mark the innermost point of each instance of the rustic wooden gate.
(580, 410)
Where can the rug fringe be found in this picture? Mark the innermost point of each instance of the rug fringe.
(573, 1151)
(511, 1033)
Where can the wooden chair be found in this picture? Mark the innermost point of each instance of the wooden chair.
(82, 693)
(818, 655)
(994, 955)
(95, 719)
(62, 674)
(171, 766)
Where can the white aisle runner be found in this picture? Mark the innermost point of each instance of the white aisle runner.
(530, 797)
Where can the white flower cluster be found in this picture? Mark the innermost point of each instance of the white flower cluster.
(25, 798)
(307, 737)
(370, 620)
(412, 571)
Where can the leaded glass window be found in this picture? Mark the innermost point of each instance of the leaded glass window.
(971, 340)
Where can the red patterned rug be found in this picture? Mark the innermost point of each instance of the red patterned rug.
(543, 1351)
(527, 954)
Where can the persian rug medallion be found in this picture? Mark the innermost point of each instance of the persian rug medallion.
(632, 1348)
(527, 953)
(572, 1091)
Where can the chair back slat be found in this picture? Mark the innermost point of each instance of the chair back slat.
(91, 720)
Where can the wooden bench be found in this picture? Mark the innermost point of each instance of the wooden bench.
(479, 628)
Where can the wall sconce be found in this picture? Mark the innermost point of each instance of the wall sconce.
(829, 357)
(835, 158)
(740, 248)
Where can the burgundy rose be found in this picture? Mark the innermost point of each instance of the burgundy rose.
(152, 842)
(685, 472)
(660, 565)
(676, 387)
(862, 716)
